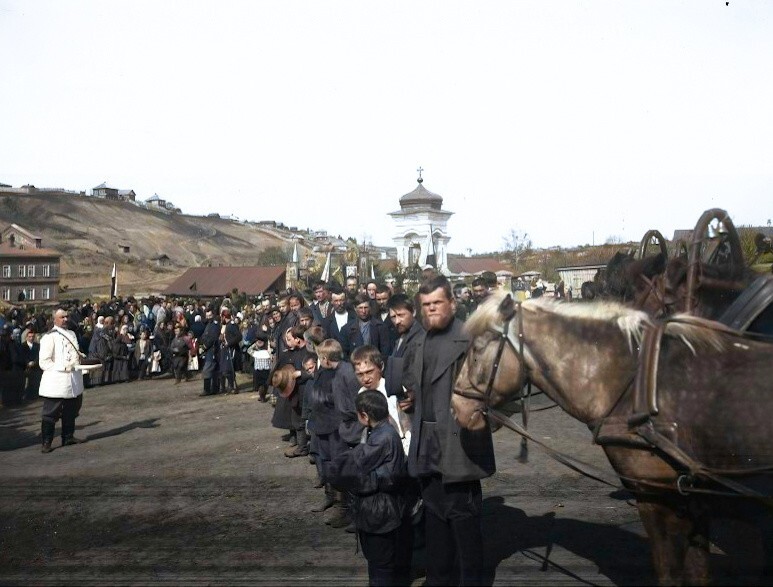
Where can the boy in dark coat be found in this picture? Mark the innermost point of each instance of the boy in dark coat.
(375, 471)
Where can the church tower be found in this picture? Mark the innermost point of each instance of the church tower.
(421, 235)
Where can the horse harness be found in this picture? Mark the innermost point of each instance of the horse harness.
(638, 430)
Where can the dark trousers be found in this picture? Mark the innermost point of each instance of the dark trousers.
(33, 384)
(180, 367)
(143, 366)
(386, 556)
(320, 448)
(454, 539)
(66, 409)
(12, 387)
(260, 379)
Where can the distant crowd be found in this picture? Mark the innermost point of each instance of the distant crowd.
(135, 338)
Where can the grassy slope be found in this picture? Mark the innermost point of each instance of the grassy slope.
(88, 233)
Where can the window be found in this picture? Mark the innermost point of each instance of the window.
(6, 270)
(22, 271)
(30, 271)
(45, 292)
(7, 293)
(46, 270)
(31, 293)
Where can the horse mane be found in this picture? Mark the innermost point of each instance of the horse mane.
(696, 333)
(630, 322)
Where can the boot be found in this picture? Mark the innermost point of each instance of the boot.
(338, 515)
(68, 431)
(262, 394)
(207, 386)
(341, 520)
(70, 440)
(302, 447)
(328, 501)
(47, 433)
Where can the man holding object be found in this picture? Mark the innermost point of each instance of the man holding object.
(61, 386)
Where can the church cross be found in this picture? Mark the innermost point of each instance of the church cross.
(420, 170)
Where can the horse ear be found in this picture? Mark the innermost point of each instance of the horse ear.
(507, 307)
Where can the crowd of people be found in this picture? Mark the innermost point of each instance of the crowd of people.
(360, 377)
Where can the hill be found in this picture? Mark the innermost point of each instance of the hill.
(91, 234)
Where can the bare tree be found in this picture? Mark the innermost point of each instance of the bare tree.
(516, 243)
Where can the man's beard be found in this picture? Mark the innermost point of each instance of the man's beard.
(436, 323)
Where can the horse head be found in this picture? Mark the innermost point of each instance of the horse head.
(491, 372)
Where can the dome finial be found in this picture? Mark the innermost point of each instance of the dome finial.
(420, 180)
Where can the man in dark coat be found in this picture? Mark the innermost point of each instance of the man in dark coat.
(345, 388)
(11, 379)
(448, 461)
(408, 329)
(341, 315)
(321, 308)
(209, 345)
(325, 419)
(27, 359)
(365, 329)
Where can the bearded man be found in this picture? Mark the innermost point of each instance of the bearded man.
(448, 461)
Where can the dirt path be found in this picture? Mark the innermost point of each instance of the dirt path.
(175, 488)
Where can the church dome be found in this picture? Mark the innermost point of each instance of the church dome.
(421, 197)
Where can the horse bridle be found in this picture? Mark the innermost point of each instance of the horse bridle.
(504, 339)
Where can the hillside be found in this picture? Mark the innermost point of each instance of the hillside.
(90, 234)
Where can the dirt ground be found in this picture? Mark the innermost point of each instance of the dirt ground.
(176, 488)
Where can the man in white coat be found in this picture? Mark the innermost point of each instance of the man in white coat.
(61, 386)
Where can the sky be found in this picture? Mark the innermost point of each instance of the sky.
(573, 122)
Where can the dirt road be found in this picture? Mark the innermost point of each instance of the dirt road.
(176, 488)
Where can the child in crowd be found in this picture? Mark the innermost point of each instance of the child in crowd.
(369, 367)
(310, 367)
(288, 409)
(261, 364)
(375, 472)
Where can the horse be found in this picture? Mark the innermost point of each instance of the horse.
(680, 407)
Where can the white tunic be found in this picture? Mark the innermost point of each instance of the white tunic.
(58, 359)
(394, 414)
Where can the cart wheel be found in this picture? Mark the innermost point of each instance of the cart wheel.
(652, 238)
(714, 241)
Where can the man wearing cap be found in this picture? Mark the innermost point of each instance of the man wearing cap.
(61, 385)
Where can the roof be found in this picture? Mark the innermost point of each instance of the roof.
(218, 281)
(475, 265)
(155, 198)
(7, 250)
(105, 185)
(581, 267)
(22, 230)
(421, 197)
(686, 235)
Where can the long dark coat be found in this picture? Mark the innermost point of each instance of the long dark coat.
(345, 389)
(331, 326)
(324, 416)
(464, 455)
(394, 368)
(351, 337)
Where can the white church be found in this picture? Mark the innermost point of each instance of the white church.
(421, 235)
